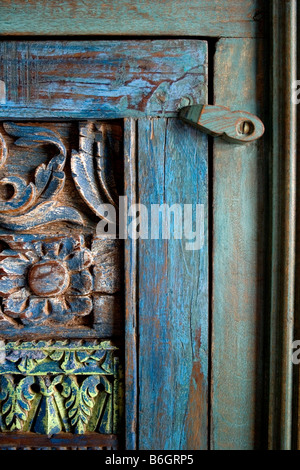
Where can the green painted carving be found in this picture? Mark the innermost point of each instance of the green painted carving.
(51, 387)
(15, 400)
(83, 398)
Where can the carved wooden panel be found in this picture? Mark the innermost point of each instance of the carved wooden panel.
(55, 272)
(60, 280)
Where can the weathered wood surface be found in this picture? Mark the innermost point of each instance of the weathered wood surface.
(173, 294)
(175, 73)
(131, 290)
(296, 437)
(37, 163)
(219, 18)
(239, 210)
(101, 79)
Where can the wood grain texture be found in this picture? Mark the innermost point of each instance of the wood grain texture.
(239, 207)
(32, 162)
(173, 294)
(131, 291)
(132, 17)
(296, 436)
(101, 79)
(53, 280)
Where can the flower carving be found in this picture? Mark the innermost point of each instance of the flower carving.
(46, 280)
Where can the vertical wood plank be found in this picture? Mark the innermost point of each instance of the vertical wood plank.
(131, 364)
(296, 436)
(173, 294)
(239, 184)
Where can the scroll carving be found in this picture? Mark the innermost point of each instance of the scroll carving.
(64, 285)
(92, 171)
(34, 204)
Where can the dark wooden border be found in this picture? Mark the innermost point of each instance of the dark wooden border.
(283, 221)
(64, 440)
(20, 18)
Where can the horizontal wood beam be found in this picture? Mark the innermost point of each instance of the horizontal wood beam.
(217, 18)
(101, 79)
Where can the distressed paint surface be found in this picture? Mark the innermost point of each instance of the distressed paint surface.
(173, 293)
(101, 79)
(49, 387)
(34, 204)
(67, 283)
(233, 18)
(131, 290)
(176, 327)
(62, 441)
(239, 209)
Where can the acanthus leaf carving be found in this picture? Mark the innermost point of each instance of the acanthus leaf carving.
(34, 204)
(51, 399)
(16, 400)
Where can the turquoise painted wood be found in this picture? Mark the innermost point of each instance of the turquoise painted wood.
(100, 79)
(173, 293)
(239, 230)
(232, 18)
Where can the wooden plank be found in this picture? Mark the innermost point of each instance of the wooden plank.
(231, 18)
(100, 79)
(131, 287)
(239, 207)
(173, 294)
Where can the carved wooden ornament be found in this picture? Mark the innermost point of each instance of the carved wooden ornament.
(49, 387)
(61, 282)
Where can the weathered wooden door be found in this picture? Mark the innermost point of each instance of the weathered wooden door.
(141, 341)
(82, 124)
